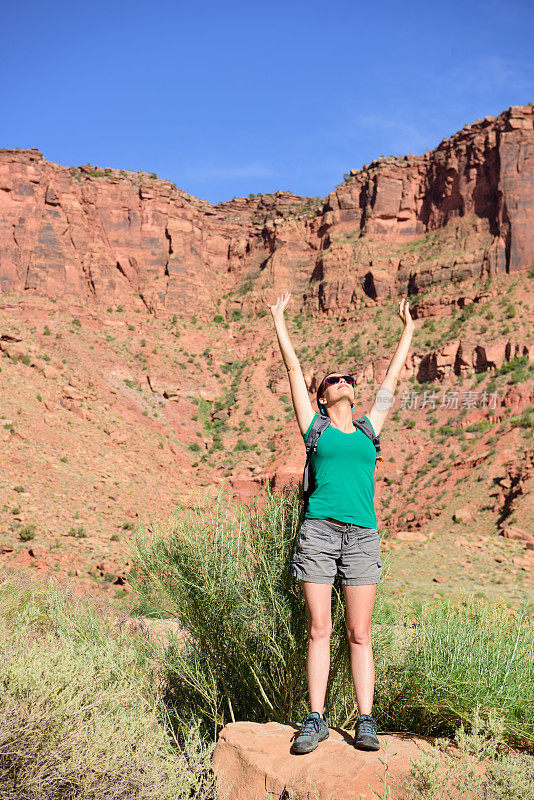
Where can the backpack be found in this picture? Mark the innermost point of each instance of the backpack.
(320, 424)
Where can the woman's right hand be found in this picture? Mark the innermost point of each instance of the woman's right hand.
(277, 309)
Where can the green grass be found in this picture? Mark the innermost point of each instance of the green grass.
(471, 654)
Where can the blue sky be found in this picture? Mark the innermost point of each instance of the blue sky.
(228, 98)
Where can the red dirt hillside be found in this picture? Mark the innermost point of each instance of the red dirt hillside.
(140, 369)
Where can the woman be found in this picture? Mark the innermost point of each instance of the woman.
(339, 533)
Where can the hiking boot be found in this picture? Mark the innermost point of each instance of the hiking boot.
(313, 730)
(365, 733)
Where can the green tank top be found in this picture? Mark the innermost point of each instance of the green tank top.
(343, 466)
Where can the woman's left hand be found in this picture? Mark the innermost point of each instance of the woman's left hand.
(404, 314)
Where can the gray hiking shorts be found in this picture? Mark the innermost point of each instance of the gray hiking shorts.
(325, 549)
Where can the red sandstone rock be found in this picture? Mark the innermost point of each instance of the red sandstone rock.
(461, 541)
(253, 761)
(411, 536)
(463, 514)
(128, 239)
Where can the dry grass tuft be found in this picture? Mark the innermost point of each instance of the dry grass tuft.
(80, 709)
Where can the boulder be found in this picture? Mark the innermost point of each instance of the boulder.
(253, 761)
(245, 487)
(517, 534)
(463, 514)
(411, 536)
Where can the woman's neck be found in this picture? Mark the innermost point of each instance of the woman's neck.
(341, 417)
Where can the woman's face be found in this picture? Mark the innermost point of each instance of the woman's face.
(334, 391)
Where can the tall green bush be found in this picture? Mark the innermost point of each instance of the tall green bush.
(226, 577)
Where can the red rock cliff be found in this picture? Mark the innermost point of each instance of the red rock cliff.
(397, 225)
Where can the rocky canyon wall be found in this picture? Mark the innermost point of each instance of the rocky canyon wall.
(399, 224)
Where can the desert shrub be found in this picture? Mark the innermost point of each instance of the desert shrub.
(519, 369)
(80, 709)
(226, 577)
(28, 532)
(440, 664)
(77, 531)
(475, 766)
(525, 419)
(480, 426)
(447, 430)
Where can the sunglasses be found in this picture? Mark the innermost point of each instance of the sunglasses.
(336, 378)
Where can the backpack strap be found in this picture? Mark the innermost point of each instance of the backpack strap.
(364, 425)
(320, 424)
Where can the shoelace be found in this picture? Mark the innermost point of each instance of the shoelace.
(310, 724)
(367, 726)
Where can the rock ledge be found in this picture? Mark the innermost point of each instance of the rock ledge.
(253, 762)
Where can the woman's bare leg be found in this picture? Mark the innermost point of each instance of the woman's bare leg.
(359, 601)
(318, 606)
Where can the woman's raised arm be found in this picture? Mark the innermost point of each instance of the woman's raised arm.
(385, 396)
(299, 392)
